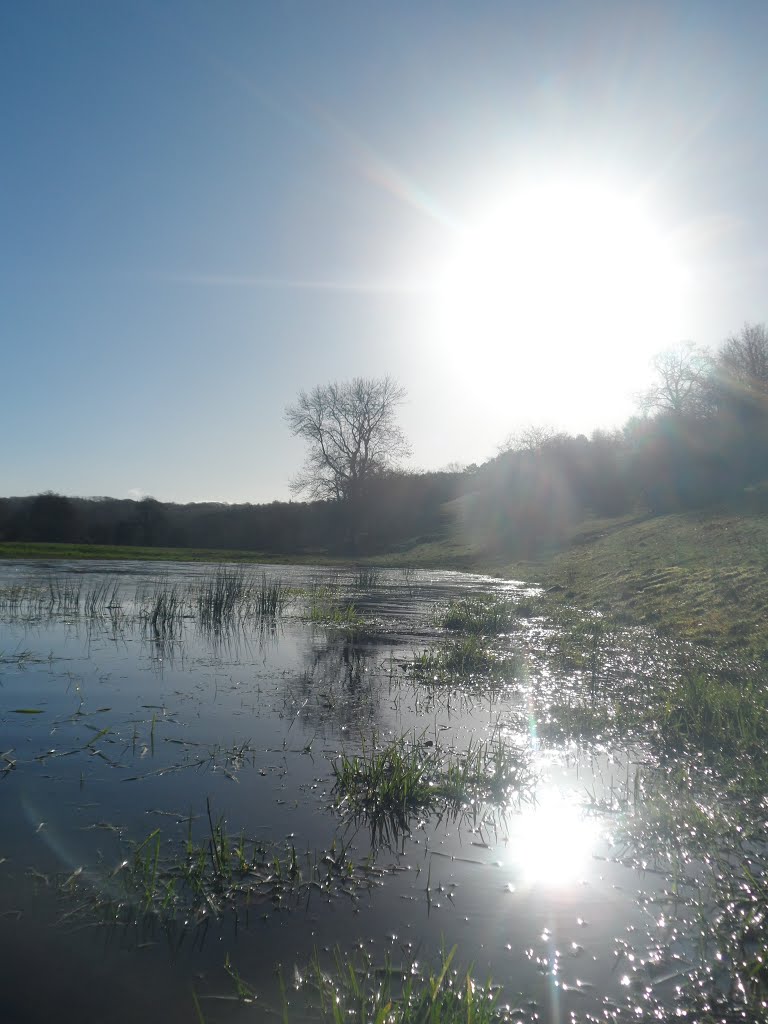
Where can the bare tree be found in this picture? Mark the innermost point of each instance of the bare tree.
(530, 439)
(743, 357)
(682, 386)
(351, 435)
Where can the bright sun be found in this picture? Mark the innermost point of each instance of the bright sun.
(578, 271)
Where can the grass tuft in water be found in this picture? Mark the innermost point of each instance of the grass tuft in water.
(394, 778)
(232, 595)
(483, 615)
(459, 661)
(325, 606)
(190, 882)
(368, 577)
(409, 776)
(161, 608)
(363, 992)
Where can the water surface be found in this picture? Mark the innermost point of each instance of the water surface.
(114, 732)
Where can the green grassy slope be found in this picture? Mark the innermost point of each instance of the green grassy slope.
(699, 575)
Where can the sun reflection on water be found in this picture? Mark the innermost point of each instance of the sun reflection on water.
(552, 841)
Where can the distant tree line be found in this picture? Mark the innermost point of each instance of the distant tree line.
(397, 509)
(700, 440)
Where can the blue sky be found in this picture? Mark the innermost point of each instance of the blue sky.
(206, 207)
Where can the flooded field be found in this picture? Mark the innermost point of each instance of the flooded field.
(228, 795)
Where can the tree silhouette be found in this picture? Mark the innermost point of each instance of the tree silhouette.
(743, 358)
(683, 384)
(351, 434)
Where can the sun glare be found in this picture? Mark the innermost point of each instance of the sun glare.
(578, 268)
(552, 842)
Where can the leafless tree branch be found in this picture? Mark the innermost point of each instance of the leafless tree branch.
(351, 435)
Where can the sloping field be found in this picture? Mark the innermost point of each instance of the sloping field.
(700, 575)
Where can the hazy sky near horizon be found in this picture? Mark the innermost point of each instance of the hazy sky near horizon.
(509, 207)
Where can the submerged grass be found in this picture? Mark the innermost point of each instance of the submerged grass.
(191, 881)
(230, 596)
(359, 991)
(711, 850)
(52, 597)
(460, 661)
(592, 685)
(326, 606)
(694, 714)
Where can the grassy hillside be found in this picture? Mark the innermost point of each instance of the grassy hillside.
(700, 575)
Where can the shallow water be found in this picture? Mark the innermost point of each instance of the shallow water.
(111, 731)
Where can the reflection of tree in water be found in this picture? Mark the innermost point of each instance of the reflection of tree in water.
(342, 686)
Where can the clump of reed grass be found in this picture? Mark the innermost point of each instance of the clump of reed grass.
(270, 598)
(232, 597)
(161, 608)
(222, 595)
(103, 598)
(23, 600)
(64, 595)
(408, 576)
(367, 577)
